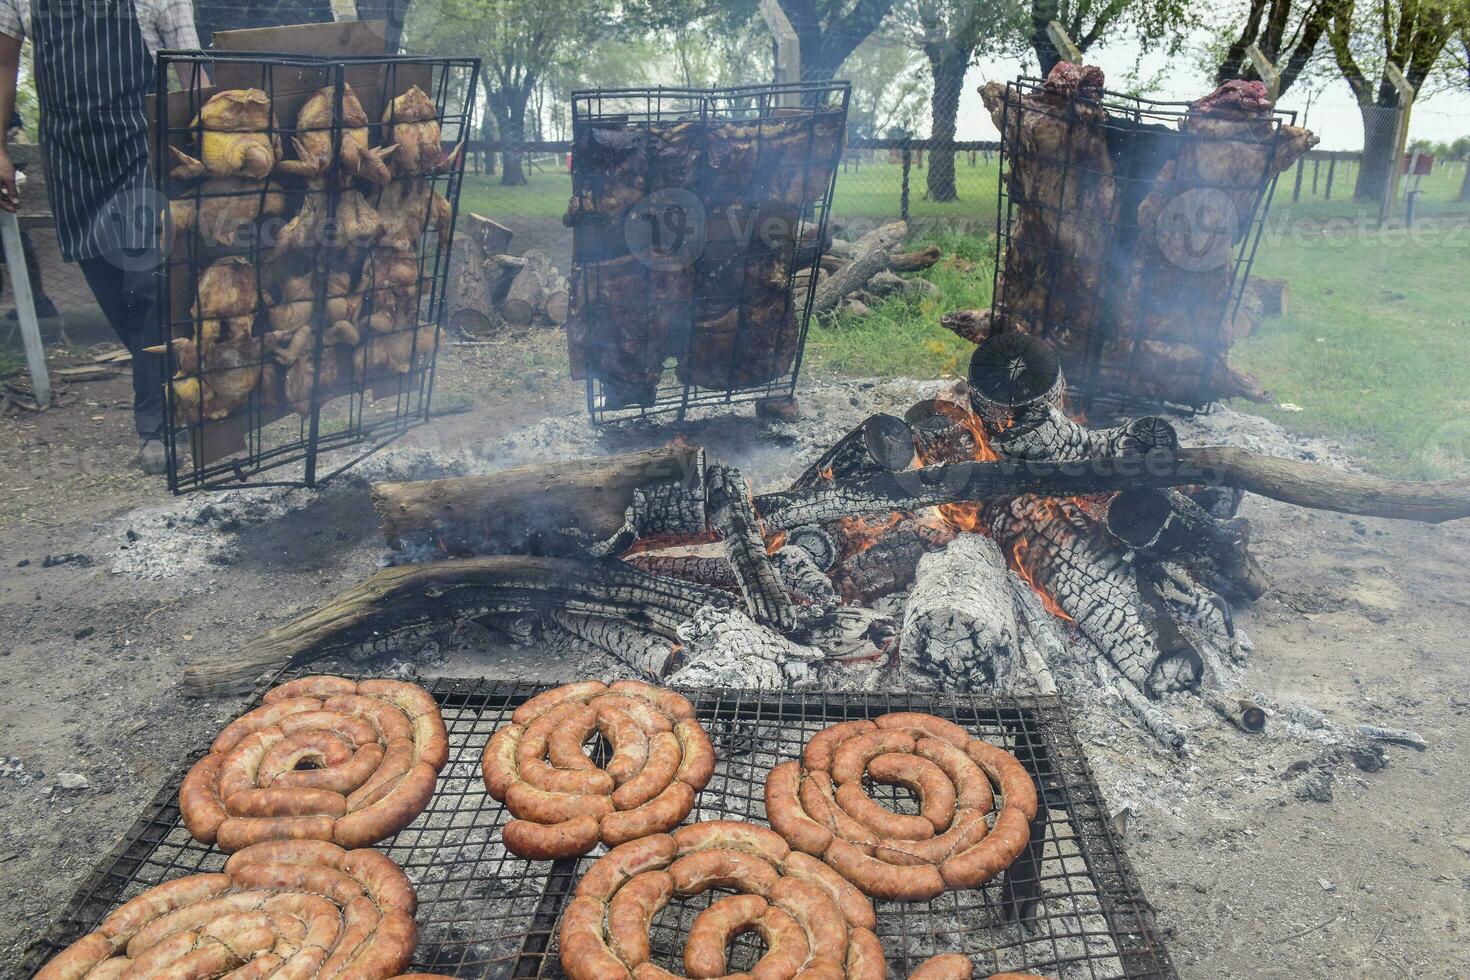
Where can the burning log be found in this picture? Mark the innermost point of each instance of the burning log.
(959, 628)
(817, 543)
(1061, 550)
(732, 514)
(881, 442)
(649, 653)
(1016, 388)
(1165, 525)
(804, 581)
(942, 431)
(879, 557)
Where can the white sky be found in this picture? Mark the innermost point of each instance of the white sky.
(1333, 114)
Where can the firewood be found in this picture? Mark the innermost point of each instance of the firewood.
(916, 261)
(556, 301)
(491, 236)
(971, 325)
(959, 626)
(941, 431)
(527, 295)
(870, 256)
(879, 557)
(1273, 294)
(817, 543)
(731, 513)
(1241, 712)
(880, 442)
(649, 653)
(527, 508)
(1165, 525)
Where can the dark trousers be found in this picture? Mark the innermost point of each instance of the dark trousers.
(128, 298)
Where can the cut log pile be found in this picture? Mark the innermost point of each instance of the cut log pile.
(856, 276)
(491, 289)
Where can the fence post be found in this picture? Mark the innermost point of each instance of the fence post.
(903, 197)
(1406, 93)
(1316, 172)
(1331, 170)
(1296, 190)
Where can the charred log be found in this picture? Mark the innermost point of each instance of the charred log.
(1165, 525)
(942, 431)
(1016, 389)
(959, 627)
(881, 442)
(650, 654)
(880, 557)
(1241, 712)
(1061, 549)
(820, 546)
(733, 515)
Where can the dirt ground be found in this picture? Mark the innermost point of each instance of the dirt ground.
(1249, 877)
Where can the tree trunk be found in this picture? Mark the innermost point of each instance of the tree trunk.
(510, 118)
(1042, 13)
(947, 67)
(1465, 182)
(1376, 169)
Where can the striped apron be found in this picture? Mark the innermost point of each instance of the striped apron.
(92, 73)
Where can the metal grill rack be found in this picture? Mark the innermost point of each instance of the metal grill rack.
(1142, 137)
(694, 257)
(353, 398)
(1070, 908)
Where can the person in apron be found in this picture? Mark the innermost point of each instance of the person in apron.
(93, 69)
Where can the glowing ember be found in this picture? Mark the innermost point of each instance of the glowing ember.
(775, 542)
(861, 533)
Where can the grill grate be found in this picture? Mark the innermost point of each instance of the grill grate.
(1071, 908)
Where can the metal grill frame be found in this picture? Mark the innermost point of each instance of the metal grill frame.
(487, 914)
(643, 107)
(270, 441)
(1125, 111)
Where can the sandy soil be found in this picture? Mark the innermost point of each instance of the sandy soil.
(1249, 876)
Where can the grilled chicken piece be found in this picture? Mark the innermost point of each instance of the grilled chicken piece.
(313, 142)
(413, 127)
(217, 383)
(226, 208)
(236, 135)
(357, 224)
(406, 207)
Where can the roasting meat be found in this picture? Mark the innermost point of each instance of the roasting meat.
(215, 377)
(356, 223)
(411, 123)
(617, 168)
(313, 140)
(406, 207)
(224, 209)
(237, 137)
(623, 321)
(746, 331)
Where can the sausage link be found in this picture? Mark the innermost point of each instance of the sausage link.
(855, 907)
(268, 715)
(429, 731)
(613, 869)
(564, 741)
(286, 803)
(785, 812)
(968, 829)
(345, 777)
(628, 741)
(786, 946)
(732, 835)
(998, 851)
(309, 852)
(819, 748)
(945, 966)
(385, 816)
(880, 880)
(879, 820)
(529, 803)
(320, 686)
(398, 758)
(736, 870)
(391, 723)
(385, 882)
(649, 718)
(671, 703)
(935, 790)
(659, 814)
(198, 805)
(498, 761)
(664, 756)
(714, 928)
(817, 799)
(548, 842)
(826, 930)
(239, 832)
(1017, 789)
(865, 955)
(577, 781)
(971, 785)
(698, 764)
(579, 691)
(852, 756)
(632, 910)
(920, 725)
(357, 731)
(585, 954)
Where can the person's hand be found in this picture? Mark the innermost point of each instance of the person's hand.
(9, 193)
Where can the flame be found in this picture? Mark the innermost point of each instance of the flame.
(775, 542)
(970, 517)
(826, 473)
(861, 533)
(679, 442)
